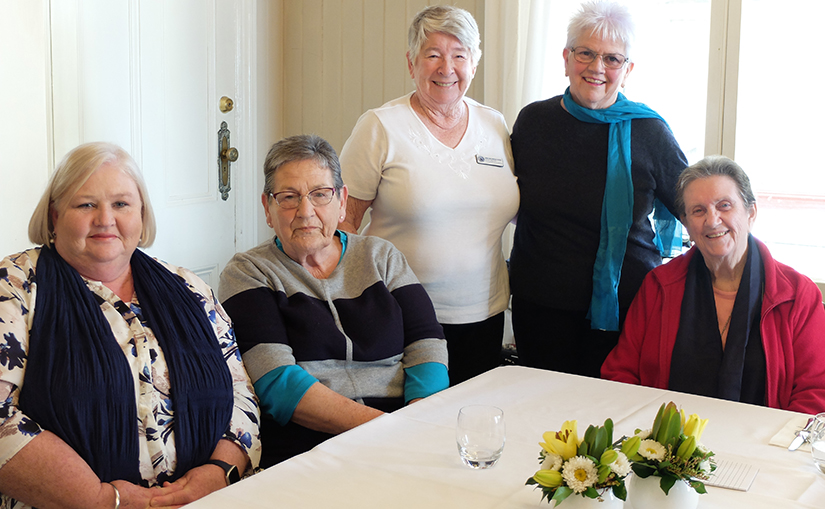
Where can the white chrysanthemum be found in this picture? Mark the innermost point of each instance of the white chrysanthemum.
(652, 450)
(580, 473)
(621, 466)
(704, 466)
(644, 434)
(551, 462)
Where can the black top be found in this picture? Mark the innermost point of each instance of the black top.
(561, 165)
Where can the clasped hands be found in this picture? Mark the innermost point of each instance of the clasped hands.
(197, 483)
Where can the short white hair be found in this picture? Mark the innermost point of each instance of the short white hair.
(448, 20)
(610, 21)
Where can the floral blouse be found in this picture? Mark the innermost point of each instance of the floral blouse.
(18, 289)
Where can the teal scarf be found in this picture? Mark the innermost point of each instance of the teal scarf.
(617, 207)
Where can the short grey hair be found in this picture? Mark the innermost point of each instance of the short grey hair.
(302, 147)
(713, 166)
(70, 175)
(448, 20)
(609, 21)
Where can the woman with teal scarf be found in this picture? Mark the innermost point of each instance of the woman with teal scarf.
(591, 166)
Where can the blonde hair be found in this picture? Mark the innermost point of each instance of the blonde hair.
(70, 175)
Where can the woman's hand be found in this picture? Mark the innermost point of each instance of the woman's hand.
(202, 480)
(132, 496)
(197, 483)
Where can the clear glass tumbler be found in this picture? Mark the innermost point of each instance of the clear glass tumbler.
(479, 435)
(817, 440)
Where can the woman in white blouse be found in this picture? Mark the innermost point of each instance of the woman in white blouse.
(435, 167)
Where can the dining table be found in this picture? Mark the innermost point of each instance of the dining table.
(409, 458)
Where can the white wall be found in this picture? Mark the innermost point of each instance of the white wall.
(269, 95)
(343, 58)
(25, 143)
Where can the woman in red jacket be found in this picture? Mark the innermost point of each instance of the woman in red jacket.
(725, 320)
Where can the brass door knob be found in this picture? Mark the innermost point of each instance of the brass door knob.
(231, 154)
(226, 104)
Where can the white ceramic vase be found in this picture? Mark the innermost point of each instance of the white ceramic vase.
(609, 501)
(647, 494)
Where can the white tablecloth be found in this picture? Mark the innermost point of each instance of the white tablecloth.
(408, 459)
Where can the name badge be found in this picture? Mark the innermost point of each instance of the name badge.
(489, 161)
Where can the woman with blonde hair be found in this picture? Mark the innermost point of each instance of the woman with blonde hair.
(120, 379)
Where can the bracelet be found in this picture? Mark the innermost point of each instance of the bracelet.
(117, 495)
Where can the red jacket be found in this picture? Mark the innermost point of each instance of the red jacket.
(793, 334)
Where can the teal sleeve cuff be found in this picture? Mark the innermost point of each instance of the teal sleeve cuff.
(281, 389)
(424, 380)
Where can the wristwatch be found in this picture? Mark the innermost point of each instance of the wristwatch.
(231, 471)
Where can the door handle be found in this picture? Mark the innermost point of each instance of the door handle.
(226, 155)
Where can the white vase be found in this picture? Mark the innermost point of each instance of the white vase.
(647, 494)
(609, 501)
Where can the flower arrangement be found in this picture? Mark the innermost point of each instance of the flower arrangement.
(588, 467)
(671, 450)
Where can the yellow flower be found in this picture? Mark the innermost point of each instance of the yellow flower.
(694, 427)
(548, 478)
(564, 443)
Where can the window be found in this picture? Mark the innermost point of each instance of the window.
(770, 124)
(778, 128)
(671, 62)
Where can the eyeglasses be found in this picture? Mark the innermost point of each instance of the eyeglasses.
(610, 60)
(291, 200)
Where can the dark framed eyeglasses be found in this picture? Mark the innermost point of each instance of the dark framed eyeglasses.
(291, 200)
(586, 55)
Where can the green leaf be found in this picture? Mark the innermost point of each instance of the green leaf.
(600, 443)
(699, 487)
(642, 470)
(666, 483)
(608, 425)
(530, 482)
(620, 491)
(589, 439)
(561, 493)
(657, 422)
(604, 471)
(591, 492)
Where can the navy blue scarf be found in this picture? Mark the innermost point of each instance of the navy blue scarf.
(617, 207)
(79, 385)
(699, 365)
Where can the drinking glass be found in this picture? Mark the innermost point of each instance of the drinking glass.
(479, 435)
(817, 440)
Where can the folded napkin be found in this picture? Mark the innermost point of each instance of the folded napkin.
(788, 433)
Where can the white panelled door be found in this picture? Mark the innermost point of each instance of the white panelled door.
(149, 75)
